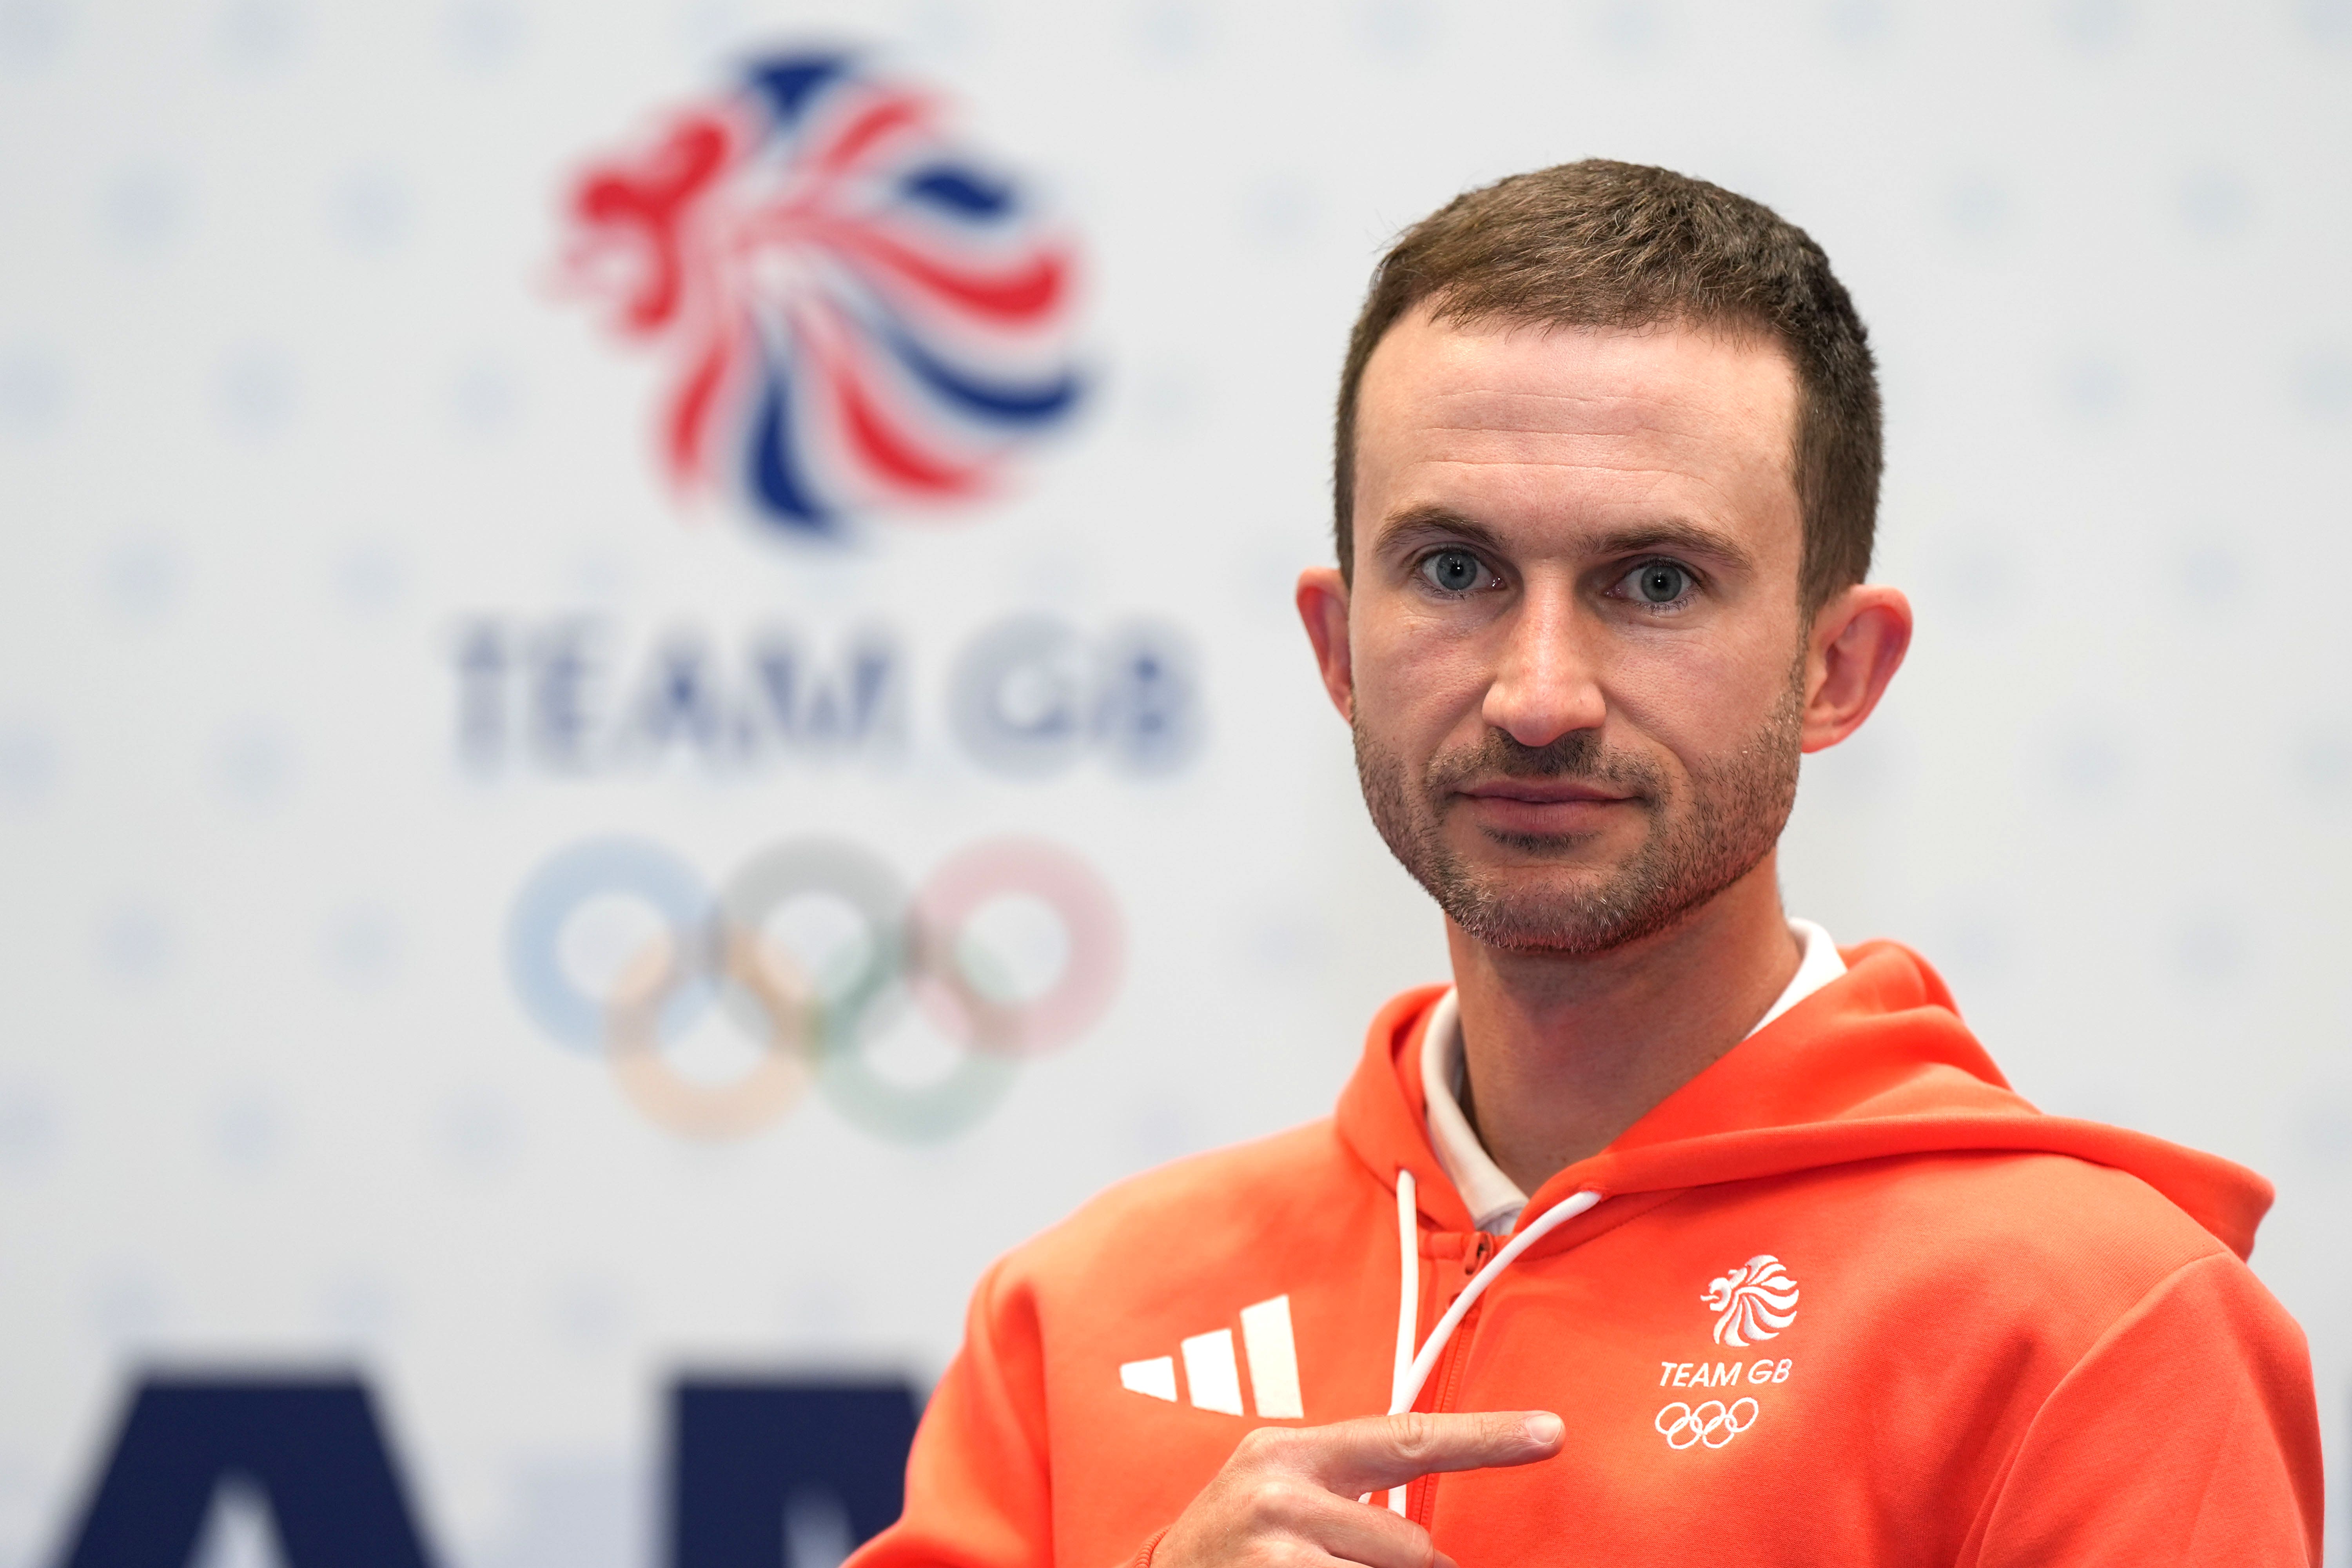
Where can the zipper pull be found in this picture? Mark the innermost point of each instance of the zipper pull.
(1475, 1256)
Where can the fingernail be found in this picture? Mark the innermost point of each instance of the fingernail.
(1545, 1428)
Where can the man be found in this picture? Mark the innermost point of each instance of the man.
(1670, 1233)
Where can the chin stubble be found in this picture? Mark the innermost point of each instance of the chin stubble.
(1700, 839)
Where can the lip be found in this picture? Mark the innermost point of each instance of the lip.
(1546, 808)
(1542, 792)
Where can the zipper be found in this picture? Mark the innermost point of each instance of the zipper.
(1421, 1499)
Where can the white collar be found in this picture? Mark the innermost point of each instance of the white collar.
(1494, 1199)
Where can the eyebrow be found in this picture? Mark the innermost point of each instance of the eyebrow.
(1420, 522)
(1432, 522)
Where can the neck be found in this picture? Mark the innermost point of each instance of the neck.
(1563, 1054)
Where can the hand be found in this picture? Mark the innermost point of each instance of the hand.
(1288, 1494)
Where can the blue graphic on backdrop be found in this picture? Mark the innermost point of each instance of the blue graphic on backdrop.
(314, 1448)
(743, 1451)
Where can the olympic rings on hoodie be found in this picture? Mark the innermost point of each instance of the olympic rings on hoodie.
(1711, 1423)
(817, 1026)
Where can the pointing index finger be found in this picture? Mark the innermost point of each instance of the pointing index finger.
(1352, 1457)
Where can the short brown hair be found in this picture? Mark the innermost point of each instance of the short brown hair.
(1602, 244)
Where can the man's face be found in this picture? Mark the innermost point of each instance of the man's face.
(1575, 653)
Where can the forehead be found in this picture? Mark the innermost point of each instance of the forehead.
(1559, 427)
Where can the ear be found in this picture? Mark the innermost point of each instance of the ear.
(1858, 641)
(1322, 601)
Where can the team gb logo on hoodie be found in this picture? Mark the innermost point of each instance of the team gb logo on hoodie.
(1754, 1302)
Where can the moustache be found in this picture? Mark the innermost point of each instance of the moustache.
(1578, 754)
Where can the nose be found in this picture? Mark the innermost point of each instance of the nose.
(1544, 683)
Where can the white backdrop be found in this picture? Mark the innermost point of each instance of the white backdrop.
(290, 406)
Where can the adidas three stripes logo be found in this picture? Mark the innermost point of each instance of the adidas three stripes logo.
(1213, 1378)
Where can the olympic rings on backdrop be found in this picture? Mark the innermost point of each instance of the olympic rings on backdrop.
(1055, 879)
(603, 868)
(815, 1026)
(847, 1011)
(1710, 1423)
(774, 1084)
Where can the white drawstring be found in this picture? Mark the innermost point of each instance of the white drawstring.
(1408, 1300)
(1412, 1370)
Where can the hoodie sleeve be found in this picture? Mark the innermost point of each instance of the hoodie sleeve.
(977, 1489)
(2189, 1434)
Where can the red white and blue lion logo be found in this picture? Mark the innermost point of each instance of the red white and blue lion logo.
(859, 314)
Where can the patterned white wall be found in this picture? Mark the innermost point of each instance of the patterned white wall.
(290, 401)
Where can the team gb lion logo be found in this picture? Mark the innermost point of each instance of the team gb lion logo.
(1755, 1300)
(860, 312)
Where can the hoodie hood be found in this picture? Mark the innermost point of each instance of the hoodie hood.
(1877, 1064)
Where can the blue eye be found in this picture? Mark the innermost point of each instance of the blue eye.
(1452, 571)
(1659, 581)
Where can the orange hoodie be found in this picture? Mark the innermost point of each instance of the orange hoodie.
(1843, 1298)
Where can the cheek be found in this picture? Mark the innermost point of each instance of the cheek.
(1698, 698)
(1411, 678)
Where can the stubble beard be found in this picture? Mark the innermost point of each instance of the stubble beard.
(1700, 840)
